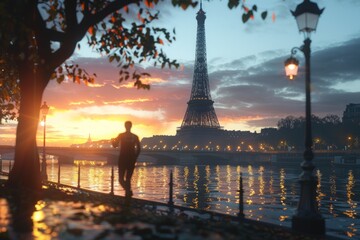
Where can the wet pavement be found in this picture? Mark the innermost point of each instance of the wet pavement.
(70, 214)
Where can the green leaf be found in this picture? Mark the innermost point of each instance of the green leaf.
(245, 17)
(60, 78)
(233, 3)
(264, 15)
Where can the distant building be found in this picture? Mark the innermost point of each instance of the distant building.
(220, 140)
(268, 132)
(93, 144)
(351, 113)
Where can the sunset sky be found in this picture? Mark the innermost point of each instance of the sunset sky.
(246, 72)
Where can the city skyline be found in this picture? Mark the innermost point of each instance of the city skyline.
(247, 79)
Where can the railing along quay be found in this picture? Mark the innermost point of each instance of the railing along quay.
(156, 206)
(169, 205)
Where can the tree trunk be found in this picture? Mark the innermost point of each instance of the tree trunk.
(26, 170)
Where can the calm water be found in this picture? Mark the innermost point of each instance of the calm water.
(270, 191)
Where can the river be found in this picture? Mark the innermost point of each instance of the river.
(270, 190)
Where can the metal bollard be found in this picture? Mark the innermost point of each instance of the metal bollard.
(112, 181)
(78, 176)
(241, 198)
(58, 172)
(171, 202)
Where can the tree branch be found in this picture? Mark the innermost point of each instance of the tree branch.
(55, 36)
(76, 34)
(93, 19)
(43, 43)
(86, 8)
(70, 14)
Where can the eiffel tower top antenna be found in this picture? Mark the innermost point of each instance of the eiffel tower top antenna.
(201, 4)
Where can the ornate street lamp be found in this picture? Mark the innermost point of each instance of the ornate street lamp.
(307, 218)
(44, 109)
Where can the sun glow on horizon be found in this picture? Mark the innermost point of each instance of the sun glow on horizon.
(128, 101)
(73, 126)
(66, 127)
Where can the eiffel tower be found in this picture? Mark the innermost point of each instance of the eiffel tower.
(200, 116)
(200, 128)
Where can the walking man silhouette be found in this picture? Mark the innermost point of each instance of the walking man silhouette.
(129, 151)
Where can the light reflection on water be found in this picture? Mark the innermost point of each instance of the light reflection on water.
(270, 191)
(4, 213)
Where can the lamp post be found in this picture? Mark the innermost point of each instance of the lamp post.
(44, 109)
(307, 218)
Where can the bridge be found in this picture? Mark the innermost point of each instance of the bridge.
(110, 155)
(177, 157)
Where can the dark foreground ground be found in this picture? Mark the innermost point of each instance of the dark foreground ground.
(63, 213)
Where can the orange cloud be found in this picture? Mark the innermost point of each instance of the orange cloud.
(95, 85)
(152, 80)
(128, 101)
(87, 102)
(147, 80)
(241, 122)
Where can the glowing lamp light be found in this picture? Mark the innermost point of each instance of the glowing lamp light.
(291, 67)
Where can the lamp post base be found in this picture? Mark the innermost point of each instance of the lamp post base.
(315, 226)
